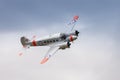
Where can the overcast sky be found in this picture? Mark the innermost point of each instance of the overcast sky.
(94, 56)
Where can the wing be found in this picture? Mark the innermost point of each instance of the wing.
(73, 22)
(50, 53)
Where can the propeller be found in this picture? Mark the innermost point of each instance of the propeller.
(68, 44)
(76, 32)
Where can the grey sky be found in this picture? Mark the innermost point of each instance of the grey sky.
(95, 56)
(22, 14)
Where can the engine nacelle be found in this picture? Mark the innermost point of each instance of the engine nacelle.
(71, 38)
(64, 46)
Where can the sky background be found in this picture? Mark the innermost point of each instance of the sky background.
(94, 56)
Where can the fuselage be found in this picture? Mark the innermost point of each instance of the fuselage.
(52, 39)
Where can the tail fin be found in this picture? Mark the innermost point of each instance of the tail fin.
(24, 41)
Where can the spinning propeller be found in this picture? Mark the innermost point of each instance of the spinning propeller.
(76, 32)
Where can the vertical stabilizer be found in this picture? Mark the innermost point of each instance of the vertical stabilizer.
(24, 41)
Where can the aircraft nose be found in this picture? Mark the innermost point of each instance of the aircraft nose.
(74, 37)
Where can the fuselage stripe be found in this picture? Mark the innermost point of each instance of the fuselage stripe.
(34, 43)
(71, 38)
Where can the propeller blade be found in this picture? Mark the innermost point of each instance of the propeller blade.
(76, 32)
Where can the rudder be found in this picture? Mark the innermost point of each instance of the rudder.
(24, 41)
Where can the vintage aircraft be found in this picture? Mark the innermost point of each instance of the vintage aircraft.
(58, 41)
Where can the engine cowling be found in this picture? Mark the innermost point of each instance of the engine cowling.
(71, 38)
(64, 46)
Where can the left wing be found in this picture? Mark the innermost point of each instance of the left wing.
(52, 50)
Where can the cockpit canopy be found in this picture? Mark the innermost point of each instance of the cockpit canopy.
(63, 36)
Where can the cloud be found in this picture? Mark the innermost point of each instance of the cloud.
(92, 57)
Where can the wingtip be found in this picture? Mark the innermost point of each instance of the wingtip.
(44, 60)
(20, 54)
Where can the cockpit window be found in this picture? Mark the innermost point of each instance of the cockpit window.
(53, 40)
(47, 41)
(50, 41)
(63, 36)
(44, 41)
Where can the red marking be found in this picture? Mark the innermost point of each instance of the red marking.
(34, 43)
(71, 38)
(75, 17)
(24, 46)
(44, 60)
(20, 54)
(34, 36)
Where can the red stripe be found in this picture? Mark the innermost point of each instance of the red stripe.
(34, 43)
(71, 38)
